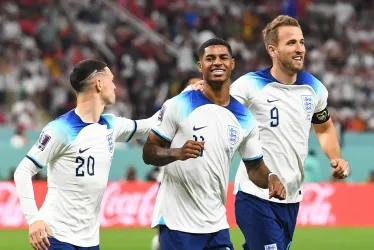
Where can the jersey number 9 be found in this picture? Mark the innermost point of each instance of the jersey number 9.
(79, 171)
(274, 116)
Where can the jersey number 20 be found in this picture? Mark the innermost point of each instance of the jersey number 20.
(90, 165)
(274, 116)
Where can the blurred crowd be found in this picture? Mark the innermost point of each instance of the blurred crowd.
(42, 39)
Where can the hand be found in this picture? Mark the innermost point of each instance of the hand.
(199, 85)
(191, 149)
(38, 232)
(276, 188)
(341, 168)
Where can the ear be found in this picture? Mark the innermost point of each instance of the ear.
(98, 86)
(233, 64)
(272, 50)
(199, 65)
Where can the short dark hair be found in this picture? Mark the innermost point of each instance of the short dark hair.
(189, 76)
(82, 72)
(214, 41)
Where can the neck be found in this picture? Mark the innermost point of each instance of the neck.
(282, 74)
(218, 93)
(89, 107)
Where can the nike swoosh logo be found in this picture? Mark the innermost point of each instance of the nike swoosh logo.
(194, 128)
(270, 101)
(82, 151)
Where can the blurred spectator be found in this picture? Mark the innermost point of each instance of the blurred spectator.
(40, 46)
(19, 138)
(130, 174)
(11, 174)
(312, 168)
(371, 177)
(339, 126)
(38, 177)
(152, 175)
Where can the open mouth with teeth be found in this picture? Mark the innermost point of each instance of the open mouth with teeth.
(298, 58)
(218, 72)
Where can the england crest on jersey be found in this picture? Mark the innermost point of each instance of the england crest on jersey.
(233, 134)
(308, 103)
(110, 142)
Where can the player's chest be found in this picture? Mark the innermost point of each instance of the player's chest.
(286, 104)
(219, 130)
(91, 154)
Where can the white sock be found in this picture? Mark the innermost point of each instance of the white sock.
(155, 243)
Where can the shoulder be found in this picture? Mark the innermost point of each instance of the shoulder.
(306, 78)
(258, 79)
(108, 119)
(59, 129)
(245, 118)
(189, 100)
(67, 125)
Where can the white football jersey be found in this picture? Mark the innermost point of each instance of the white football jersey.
(284, 114)
(193, 193)
(78, 157)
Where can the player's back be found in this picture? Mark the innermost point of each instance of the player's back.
(192, 195)
(77, 177)
(284, 114)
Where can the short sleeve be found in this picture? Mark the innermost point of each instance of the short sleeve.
(168, 120)
(52, 140)
(239, 90)
(246, 88)
(250, 148)
(322, 95)
(123, 128)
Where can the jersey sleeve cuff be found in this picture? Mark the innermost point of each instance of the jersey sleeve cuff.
(38, 164)
(252, 158)
(133, 132)
(161, 135)
(34, 219)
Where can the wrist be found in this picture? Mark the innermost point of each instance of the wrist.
(270, 174)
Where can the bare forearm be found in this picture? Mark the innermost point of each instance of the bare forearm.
(259, 174)
(158, 156)
(329, 142)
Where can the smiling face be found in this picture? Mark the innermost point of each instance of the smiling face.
(289, 52)
(216, 64)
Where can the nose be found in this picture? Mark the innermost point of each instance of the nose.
(300, 48)
(217, 61)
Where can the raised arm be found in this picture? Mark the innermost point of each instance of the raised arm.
(157, 151)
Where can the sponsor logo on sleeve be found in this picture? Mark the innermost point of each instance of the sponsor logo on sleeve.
(43, 141)
(161, 114)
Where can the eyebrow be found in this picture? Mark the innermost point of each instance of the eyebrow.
(224, 54)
